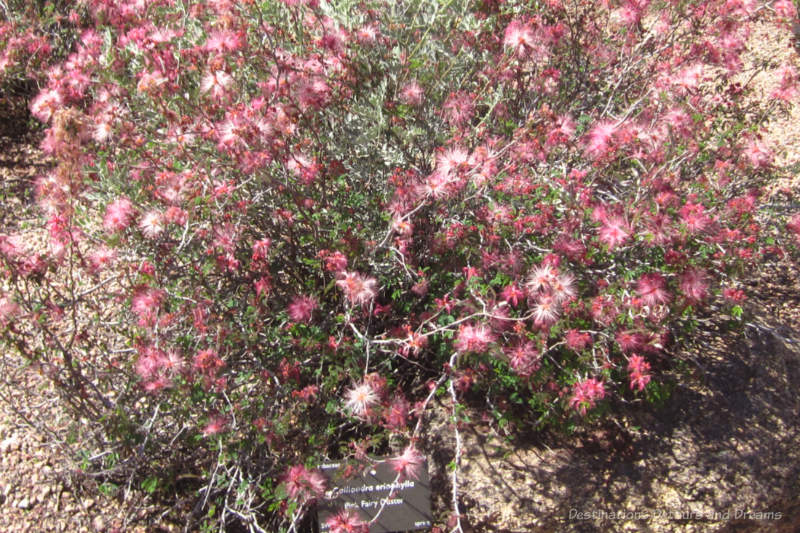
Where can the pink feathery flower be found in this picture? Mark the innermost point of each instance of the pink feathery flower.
(437, 184)
(304, 167)
(152, 224)
(101, 258)
(149, 81)
(396, 416)
(614, 232)
(563, 288)
(694, 284)
(793, 225)
(45, 104)
(694, 216)
(525, 42)
(360, 399)
(523, 358)
(562, 130)
(224, 41)
(357, 288)
(546, 310)
(367, 34)
(541, 278)
(207, 362)
(734, 295)
(334, 261)
(261, 249)
(757, 154)
(411, 94)
(600, 139)
(148, 364)
(216, 83)
(585, 395)
(453, 159)
(512, 294)
(785, 9)
(216, 424)
(519, 38)
(146, 303)
(172, 362)
(650, 288)
(788, 88)
(458, 109)
(12, 246)
(346, 521)
(689, 77)
(119, 215)
(474, 338)
(156, 384)
(102, 132)
(408, 465)
(301, 308)
(576, 340)
(8, 310)
(628, 340)
(303, 484)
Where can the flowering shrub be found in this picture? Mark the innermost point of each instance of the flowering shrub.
(276, 230)
(33, 37)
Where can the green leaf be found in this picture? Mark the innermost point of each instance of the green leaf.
(150, 484)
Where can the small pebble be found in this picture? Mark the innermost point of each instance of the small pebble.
(10, 444)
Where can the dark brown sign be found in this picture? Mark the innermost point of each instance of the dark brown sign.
(400, 504)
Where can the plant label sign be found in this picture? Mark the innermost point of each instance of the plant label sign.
(400, 504)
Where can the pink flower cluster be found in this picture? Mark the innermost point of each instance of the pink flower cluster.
(585, 394)
(639, 372)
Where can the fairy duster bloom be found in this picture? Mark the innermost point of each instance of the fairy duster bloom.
(152, 224)
(119, 215)
(346, 521)
(694, 284)
(303, 484)
(411, 94)
(546, 310)
(639, 372)
(540, 278)
(8, 310)
(524, 42)
(361, 398)
(614, 232)
(523, 358)
(576, 340)
(600, 139)
(650, 288)
(146, 303)
(215, 425)
(408, 465)
(474, 338)
(585, 395)
(357, 288)
(216, 83)
(301, 308)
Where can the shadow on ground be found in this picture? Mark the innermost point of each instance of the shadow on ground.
(722, 455)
